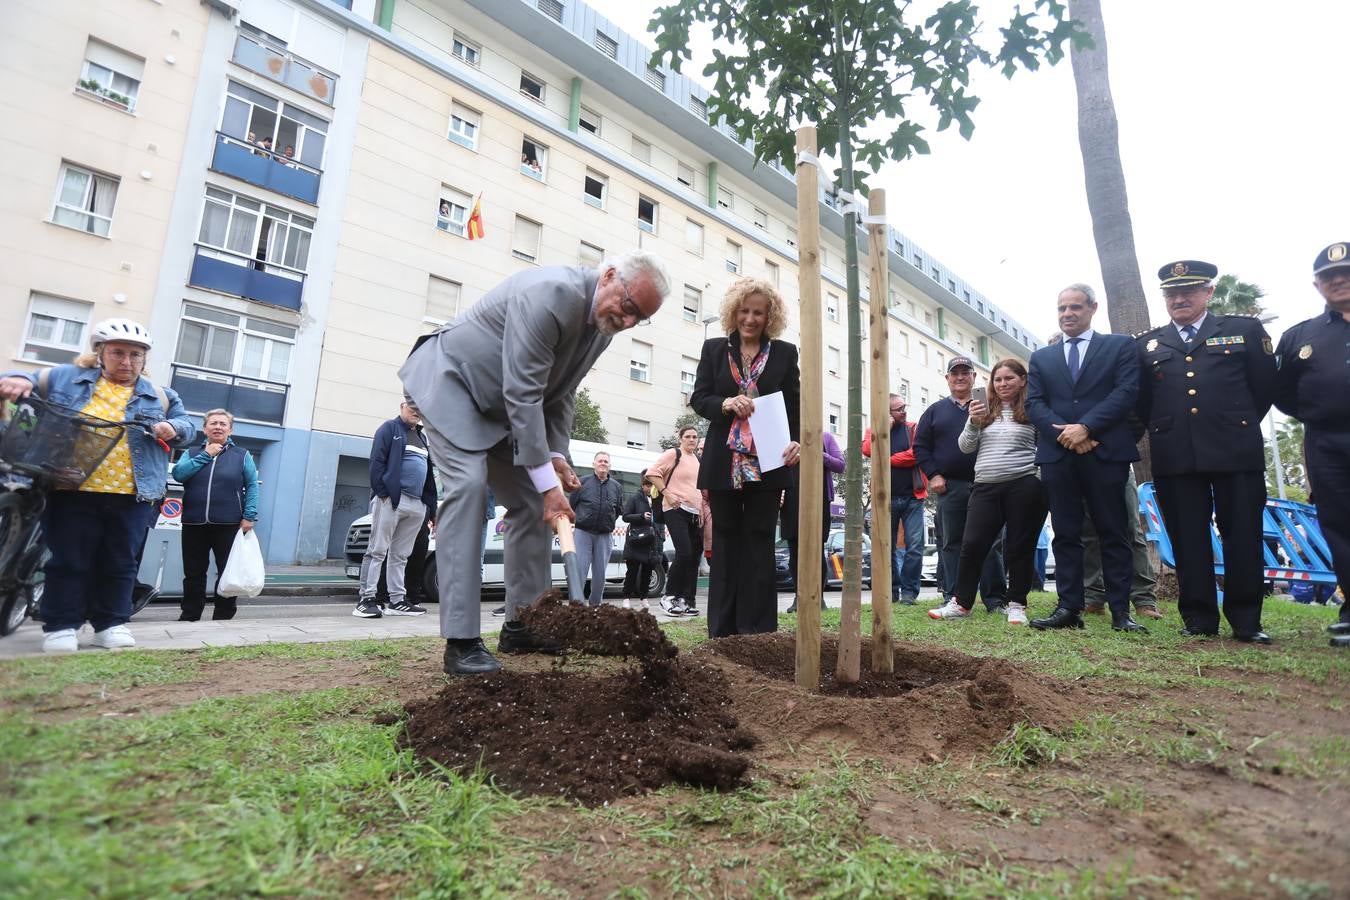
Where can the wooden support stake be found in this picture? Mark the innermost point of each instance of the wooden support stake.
(812, 465)
(883, 537)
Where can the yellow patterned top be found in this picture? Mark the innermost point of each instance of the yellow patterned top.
(114, 475)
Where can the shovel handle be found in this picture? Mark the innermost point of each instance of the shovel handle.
(562, 526)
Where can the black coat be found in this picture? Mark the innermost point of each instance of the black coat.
(1203, 406)
(714, 383)
(635, 512)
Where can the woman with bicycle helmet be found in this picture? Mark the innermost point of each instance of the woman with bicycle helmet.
(95, 532)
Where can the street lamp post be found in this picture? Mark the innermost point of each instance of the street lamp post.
(708, 320)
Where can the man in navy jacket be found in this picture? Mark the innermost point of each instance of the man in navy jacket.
(1080, 395)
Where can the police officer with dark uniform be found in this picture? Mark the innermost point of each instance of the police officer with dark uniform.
(1208, 381)
(1314, 387)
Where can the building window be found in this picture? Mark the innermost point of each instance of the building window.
(464, 124)
(760, 218)
(684, 174)
(111, 75)
(525, 242)
(640, 362)
(55, 329)
(642, 151)
(270, 238)
(836, 418)
(833, 361)
(656, 78)
(771, 272)
(442, 300)
(893, 299)
(928, 319)
(590, 255)
(942, 362)
(693, 237)
(733, 257)
(699, 108)
(693, 302)
(551, 8)
(267, 55)
(275, 129)
(923, 398)
(913, 312)
(606, 44)
(212, 338)
(595, 187)
(688, 372)
(531, 87)
(951, 285)
(832, 307)
(726, 199)
(904, 344)
(937, 276)
(533, 159)
(904, 389)
(923, 354)
(452, 213)
(647, 214)
(637, 434)
(792, 237)
(589, 121)
(465, 50)
(84, 200)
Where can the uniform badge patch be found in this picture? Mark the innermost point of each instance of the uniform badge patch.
(1336, 253)
(1305, 351)
(1179, 269)
(1267, 346)
(1151, 345)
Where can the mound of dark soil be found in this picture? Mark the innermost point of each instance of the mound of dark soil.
(603, 630)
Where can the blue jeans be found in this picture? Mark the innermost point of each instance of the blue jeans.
(593, 551)
(94, 540)
(907, 567)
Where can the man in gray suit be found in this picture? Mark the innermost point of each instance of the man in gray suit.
(496, 388)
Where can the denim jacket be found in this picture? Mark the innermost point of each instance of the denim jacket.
(72, 386)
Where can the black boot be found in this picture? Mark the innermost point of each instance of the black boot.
(1121, 621)
(469, 657)
(1062, 617)
(516, 638)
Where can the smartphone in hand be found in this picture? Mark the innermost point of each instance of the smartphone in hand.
(980, 395)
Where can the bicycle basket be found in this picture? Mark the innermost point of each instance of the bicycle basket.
(55, 441)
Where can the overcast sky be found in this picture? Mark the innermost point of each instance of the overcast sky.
(1235, 137)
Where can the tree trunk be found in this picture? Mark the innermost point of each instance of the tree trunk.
(1104, 176)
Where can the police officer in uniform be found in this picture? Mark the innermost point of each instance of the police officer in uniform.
(1314, 387)
(1207, 382)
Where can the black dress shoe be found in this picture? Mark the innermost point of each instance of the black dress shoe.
(1060, 618)
(1192, 631)
(1256, 637)
(469, 657)
(1123, 622)
(516, 638)
(1341, 640)
(1341, 627)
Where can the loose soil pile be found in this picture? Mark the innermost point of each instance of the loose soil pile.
(596, 737)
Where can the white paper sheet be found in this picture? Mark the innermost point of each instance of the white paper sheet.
(769, 425)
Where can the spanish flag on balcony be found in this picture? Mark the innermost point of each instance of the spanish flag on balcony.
(475, 227)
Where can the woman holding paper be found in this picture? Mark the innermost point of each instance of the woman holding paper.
(746, 452)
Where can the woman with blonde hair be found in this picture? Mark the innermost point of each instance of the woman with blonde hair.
(732, 372)
(1007, 492)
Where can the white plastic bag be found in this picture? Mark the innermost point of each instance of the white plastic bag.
(244, 573)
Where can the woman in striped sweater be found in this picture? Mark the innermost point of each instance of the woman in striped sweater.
(1007, 492)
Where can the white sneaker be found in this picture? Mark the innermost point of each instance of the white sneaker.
(646, 607)
(114, 638)
(627, 603)
(949, 610)
(63, 641)
(1017, 614)
(671, 605)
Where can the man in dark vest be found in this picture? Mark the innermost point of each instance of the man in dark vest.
(220, 499)
(909, 490)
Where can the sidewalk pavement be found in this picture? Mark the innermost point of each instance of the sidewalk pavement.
(299, 620)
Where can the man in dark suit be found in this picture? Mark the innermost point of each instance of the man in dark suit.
(1080, 393)
(1208, 381)
(496, 389)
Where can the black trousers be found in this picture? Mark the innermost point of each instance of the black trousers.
(1236, 500)
(951, 516)
(1070, 483)
(199, 541)
(1328, 455)
(687, 536)
(636, 579)
(742, 598)
(1020, 506)
(413, 572)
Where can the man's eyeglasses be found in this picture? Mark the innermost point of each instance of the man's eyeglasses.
(628, 306)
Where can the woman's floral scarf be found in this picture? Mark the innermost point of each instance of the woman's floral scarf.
(744, 461)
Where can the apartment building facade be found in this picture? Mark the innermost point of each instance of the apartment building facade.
(292, 276)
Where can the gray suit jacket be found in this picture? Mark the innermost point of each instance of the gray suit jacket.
(510, 365)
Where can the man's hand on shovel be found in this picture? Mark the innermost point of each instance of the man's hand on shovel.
(556, 507)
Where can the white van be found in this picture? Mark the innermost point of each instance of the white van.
(626, 465)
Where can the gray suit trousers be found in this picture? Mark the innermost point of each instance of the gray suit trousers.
(528, 544)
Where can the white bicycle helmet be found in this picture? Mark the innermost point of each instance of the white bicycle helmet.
(120, 330)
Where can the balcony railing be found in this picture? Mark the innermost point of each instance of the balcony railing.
(231, 273)
(265, 169)
(246, 398)
(257, 54)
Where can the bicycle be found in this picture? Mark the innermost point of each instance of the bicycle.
(43, 447)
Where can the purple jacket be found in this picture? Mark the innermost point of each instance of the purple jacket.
(834, 462)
